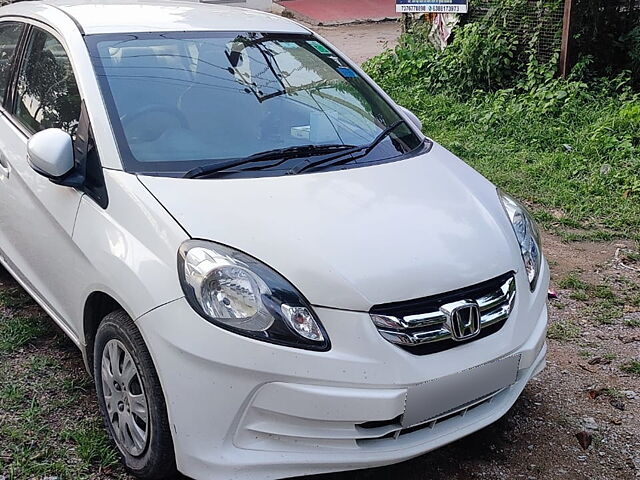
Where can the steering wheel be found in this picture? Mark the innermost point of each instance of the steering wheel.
(149, 131)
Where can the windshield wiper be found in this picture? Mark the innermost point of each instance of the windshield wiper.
(280, 155)
(346, 156)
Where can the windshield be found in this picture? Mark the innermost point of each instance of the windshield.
(181, 101)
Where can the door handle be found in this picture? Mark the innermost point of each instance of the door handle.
(4, 166)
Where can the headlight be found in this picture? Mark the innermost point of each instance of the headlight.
(527, 234)
(241, 294)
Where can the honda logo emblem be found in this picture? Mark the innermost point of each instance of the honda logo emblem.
(463, 319)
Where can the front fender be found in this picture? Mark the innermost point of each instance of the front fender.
(131, 246)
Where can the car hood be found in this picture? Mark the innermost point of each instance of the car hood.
(355, 238)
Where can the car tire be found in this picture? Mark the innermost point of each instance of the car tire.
(131, 399)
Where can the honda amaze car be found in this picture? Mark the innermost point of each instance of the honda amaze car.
(269, 270)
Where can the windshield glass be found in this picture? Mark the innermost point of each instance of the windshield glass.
(179, 101)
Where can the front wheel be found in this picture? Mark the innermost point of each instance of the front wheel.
(131, 399)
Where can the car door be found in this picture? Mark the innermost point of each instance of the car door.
(37, 216)
(10, 36)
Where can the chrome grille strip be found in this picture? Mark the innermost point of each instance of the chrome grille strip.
(418, 338)
(410, 321)
(498, 297)
(418, 329)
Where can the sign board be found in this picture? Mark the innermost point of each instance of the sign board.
(432, 6)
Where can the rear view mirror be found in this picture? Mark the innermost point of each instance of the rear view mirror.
(50, 153)
(413, 117)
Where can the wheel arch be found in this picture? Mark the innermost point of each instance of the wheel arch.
(97, 306)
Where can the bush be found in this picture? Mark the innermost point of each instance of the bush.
(609, 32)
(480, 58)
(632, 40)
(570, 147)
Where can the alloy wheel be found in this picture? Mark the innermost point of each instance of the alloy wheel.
(125, 398)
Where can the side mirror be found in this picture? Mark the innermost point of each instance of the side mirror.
(413, 117)
(50, 153)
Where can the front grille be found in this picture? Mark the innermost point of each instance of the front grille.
(419, 326)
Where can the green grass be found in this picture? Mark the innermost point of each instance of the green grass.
(42, 363)
(74, 386)
(604, 292)
(14, 297)
(632, 296)
(12, 395)
(572, 281)
(18, 331)
(40, 437)
(50, 425)
(520, 152)
(604, 312)
(92, 444)
(563, 331)
(632, 322)
(579, 295)
(633, 367)
(631, 257)
(602, 304)
(614, 393)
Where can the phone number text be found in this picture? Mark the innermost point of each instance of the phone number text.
(431, 9)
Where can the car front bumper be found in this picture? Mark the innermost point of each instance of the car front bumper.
(244, 409)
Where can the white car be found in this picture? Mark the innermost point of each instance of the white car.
(268, 268)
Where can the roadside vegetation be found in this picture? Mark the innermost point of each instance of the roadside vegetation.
(569, 147)
(49, 423)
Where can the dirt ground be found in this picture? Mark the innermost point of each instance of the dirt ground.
(361, 41)
(589, 393)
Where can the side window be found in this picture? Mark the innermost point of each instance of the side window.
(9, 37)
(47, 93)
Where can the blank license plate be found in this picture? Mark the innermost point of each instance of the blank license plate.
(437, 397)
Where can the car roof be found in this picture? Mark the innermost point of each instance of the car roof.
(118, 16)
